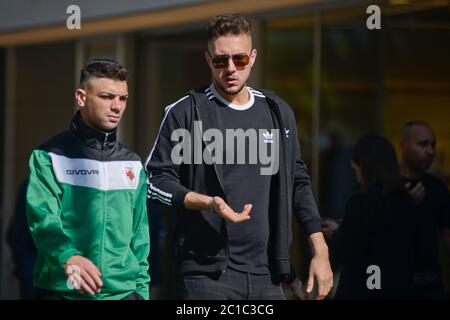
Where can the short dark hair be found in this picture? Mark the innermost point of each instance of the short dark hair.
(378, 161)
(406, 129)
(103, 68)
(225, 24)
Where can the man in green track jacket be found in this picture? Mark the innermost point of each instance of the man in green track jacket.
(86, 200)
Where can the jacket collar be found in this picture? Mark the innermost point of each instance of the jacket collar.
(92, 137)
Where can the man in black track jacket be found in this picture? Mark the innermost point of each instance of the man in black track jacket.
(228, 148)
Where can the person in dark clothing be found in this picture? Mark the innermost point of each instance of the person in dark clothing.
(375, 232)
(432, 197)
(22, 247)
(221, 253)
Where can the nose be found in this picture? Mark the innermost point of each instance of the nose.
(231, 67)
(117, 105)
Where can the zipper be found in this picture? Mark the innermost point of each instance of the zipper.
(286, 159)
(224, 225)
(214, 163)
(104, 142)
(105, 175)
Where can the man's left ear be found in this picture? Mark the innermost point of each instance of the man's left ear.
(253, 57)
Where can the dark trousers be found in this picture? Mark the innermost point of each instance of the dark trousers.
(230, 285)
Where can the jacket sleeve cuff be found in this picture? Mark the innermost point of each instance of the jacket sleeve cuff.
(283, 270)
(63, 257)
(311, 227)
(179, 195)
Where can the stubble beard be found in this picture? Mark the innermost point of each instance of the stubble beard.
(230, 93)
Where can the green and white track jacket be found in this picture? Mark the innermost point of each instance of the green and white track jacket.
(87, 196)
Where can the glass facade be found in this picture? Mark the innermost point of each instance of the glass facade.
(370, 82)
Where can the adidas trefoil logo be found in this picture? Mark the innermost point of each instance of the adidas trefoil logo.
(286, 131)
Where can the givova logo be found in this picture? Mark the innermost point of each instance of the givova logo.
(81, 172)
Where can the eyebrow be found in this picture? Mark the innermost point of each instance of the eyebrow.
(234, 54)
(113, 94)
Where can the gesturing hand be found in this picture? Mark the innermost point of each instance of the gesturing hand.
(219, 206)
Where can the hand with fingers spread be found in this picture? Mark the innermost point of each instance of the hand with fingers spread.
(219, 206)
(197, 201)
(83, 274)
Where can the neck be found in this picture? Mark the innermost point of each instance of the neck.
(408, 172)
(240, 98)
(95, 138)
(90, 125)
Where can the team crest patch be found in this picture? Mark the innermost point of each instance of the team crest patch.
(129, 173)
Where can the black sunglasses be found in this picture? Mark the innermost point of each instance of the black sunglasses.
(221, 61)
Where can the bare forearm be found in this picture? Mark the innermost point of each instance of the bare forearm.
(318, 245)
(197, 201)
(319, 268)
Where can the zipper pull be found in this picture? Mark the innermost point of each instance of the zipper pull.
(106, 139)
